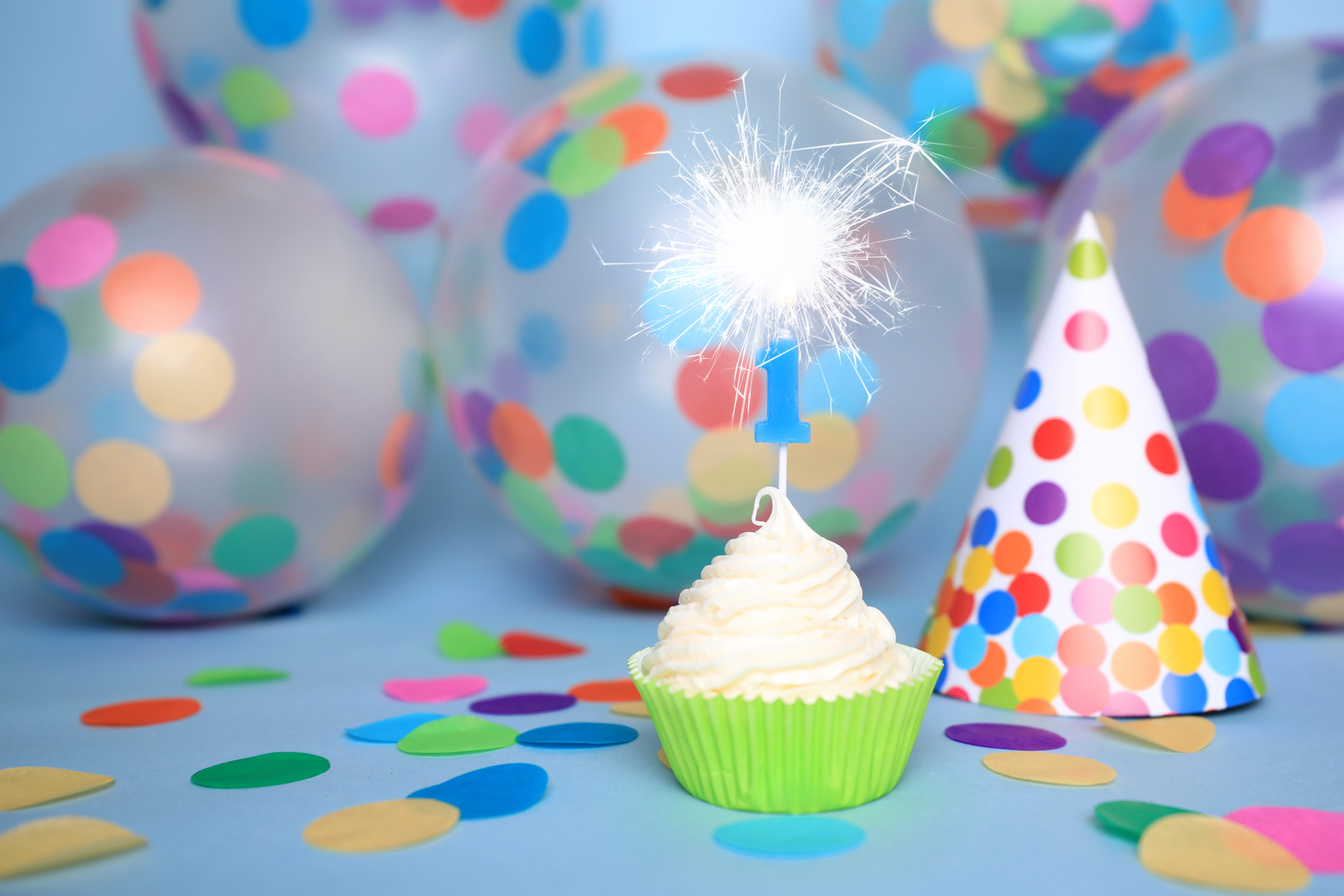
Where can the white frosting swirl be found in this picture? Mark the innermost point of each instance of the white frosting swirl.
(779, 616)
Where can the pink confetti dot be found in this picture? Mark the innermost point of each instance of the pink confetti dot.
(378, 102)
(71, 251)
(479, 127)
(434, 690)
(402, 215)
(1314, 836)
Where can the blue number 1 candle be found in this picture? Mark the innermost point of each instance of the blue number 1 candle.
(779, 360)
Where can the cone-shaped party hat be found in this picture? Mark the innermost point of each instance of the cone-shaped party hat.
(1085, 581)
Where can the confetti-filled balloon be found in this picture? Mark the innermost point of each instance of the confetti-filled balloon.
(1223, 199)
(390, 103)
(1018, 89)
(212, 382)
(609, 448)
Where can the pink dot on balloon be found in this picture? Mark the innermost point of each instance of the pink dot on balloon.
(1092, 600)
(402, 215)
(1178, 534)
(71, 251)
(1125, 13)
(1124, 704)
(1086, 331)
(1085, 690)
(479, 127)
(203, 579)
(148, 52)
(377, 102)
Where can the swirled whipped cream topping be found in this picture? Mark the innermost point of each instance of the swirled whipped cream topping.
(779, 616)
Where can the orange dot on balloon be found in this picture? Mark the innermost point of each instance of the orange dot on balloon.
(152, 292)
(1178, 604)
(644, 127)
(134, 713)
(520, 439)
(617, 690)
(1133, 564)
(1012, 553)
(1274, 253)
(394, 443)
(474, 9)
(1191, 216)
(990, 670)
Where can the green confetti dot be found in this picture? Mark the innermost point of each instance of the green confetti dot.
(890, 526)
(253, 98)
(235, 675)
(586, 161)
(266, 770)
(565, 5)
(1036, 18)
(255, 546)
(1078, 555)
(535, 512)
(835, 523)
(1129, 818)
(588, 454)
(999, 467)
(457, 734)
(33, 471)
(1257, 677)
(606, 97)
(1000, 695)
(1136, 609)
(1087, 260)
(463, 641)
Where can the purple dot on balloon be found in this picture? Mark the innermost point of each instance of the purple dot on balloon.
(1308, 558)
(1307, 149)
(1243, 574)
(363, 12)
(1091, 103)
(508, 378)
(523, 704)
(128, 543)
(1332, 45)
(1185, 373)
(1227, 159)
(1307, 332)
(477, 407)
(1330, 113)
(181, 116)
(998, 736)
(1224, 462)
(1130, 132)
(1045, 503)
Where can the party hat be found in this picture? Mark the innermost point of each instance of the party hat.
(1085, 581)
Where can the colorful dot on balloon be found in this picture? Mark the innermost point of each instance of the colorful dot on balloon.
(1091, 600)
(33, 357)
(150, 293)
(602, 91)
(1045, 502)
(33, 470)
(1135, 666)
(719, 389)
(1133, 564)
(1161, 454)
(840, 382)
(377, 102)
(1105, 407)
(890, 525)
(183, 376)
(536, 513)
(479, 126)
(986, 524)
(1305, 421)
(999, 467)
(1085, 331)
(1191, 216)
(402, 215)
(1087, 260)
(541, 342)
(588, 453)
(1028, 390)
(1035, 635)
(825, 461)
(1136, 609)
(1224, 463)
(1053, 439)
(72, 251)
(536, 231)
(1082, 645)
(474, 9)
(402, 450)
(1185, 372)
(586, 161)
(728, 466)
(17, 291)
(643, 127)
(1114, 505)
(540, 40)
(1078, 555)
(1274, 253)
(81, 556)
(253, 98)
(699, 82)
(1036, 678)
(255, 546)
(1178, 604)
(275, 23)
(122, 482)
(1012, 553)
(1227, 159)
(1307, 333)
(520, 439)
(1185, 694)
(967, 24)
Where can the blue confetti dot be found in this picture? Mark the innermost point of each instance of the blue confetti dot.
(1211, 552)
(940, 87)
(118, 414)
(672, 315)
(1239, 691)
(1155, 36)
(275, 23)
(1073, 55)
(16, 299)
(541, 40)
(1222, 652)
(1185, 693)
(1056, 148)
(997, 612)
(82, 557)
(210, 603)
(860, 21)
(34, 356)
(541, 342)
(1305, 421)
(1028, 390)
(491, 791)
(539, 161)
(594, 39)
(1208, 24)
(969, 647)
(839, 382)
(536, 231)
(1035, 635)
(986, 524)
(389, 731)
(790, 836)
(579, 734)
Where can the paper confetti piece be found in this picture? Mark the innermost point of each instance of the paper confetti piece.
(459, 640)
(579, 734)
(1181, 734)
(134, 713)
(265, 770)
(33, 785)
(1005, 737)
(523, 704)
(1050, 768)
(1130, 818)
(1214, 852)
(456, 734)
(790, 837)
(662, 757)
(235, 675)
(491, 791)
(389, 731)
(62, 840)
(530, 646)
(619, 690)
(378, 827)
(634, 708)
(434, 690)
(1314, 836)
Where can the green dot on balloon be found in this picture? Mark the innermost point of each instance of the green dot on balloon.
(588, 453)
(606, 97)
(1087, 260)
(1000, 695)
(999, 467)
(535, 512)
(586, 161)
(255, 546)
(1036, 18)
(1257, 676)
(606, 533)
(890, 525)
(958, 138)
(253, 98)
(33, 471)
(836, 522)
(1243, 361)
(1078, 555)
(1136, 609)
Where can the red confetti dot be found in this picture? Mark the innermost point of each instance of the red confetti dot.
(474, 9)
(699, 82)
(636, 600)
(1031, 592)
(618, 690)
(134, 713)
(652, 537)
(958, 694)
(719, 389)
(1053, 439)
(1085, 331)
(963, 602)
(520, 439)
(1161, 454)
(1133, 564)
(1178, 534)
(530, 646)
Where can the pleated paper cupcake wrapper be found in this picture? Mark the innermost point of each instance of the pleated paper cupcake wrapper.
(790, 757)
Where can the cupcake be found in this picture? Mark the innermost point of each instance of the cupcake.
(774, 687)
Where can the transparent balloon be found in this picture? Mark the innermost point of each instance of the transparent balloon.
(1222, 197)
(213, 386)
(630, 459)
(1014, 91)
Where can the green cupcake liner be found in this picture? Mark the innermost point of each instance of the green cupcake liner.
(795, 757)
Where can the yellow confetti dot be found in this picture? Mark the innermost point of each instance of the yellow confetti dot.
(1105, 407)
(1216, 594)
(935, 642)
(122, 482)
(49, 843)
(1036, 678)
(979, 565)
(728, 466)
(1005, 96)
(1181, 734)
(1215, 852)
(636, 708)
(1114, 505)
(26, 786)
(1180, 650)
(823, 462)
(376, 827)
(183, 376)
(967, 24)
(1050, 768)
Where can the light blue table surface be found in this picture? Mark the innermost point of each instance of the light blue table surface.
(612, 820)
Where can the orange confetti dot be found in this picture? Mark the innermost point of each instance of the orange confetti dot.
(134, 713)
(389, 455)
(152, 292)
(1012, 553)
(617, 690)
(520, 439)
(1191, 216)
(1274, 253)
(644, 127)
(530, 646)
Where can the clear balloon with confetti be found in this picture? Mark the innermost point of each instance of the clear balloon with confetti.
(212, 382)
(1222, 197)
(608, 412)
(1012, 92)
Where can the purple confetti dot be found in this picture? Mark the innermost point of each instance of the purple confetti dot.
(1228, 159)
(128, 543)
(1130, 132)
(1185, 373)
(1045, 503)
(1307, 149)
(1224, 463)
(181, 116)
(1332, 45)
(523, 704)
(1091, 103)
(997, 736)
(477, 408)
(1308, 558)
(1307, 333)
(1243, 574)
